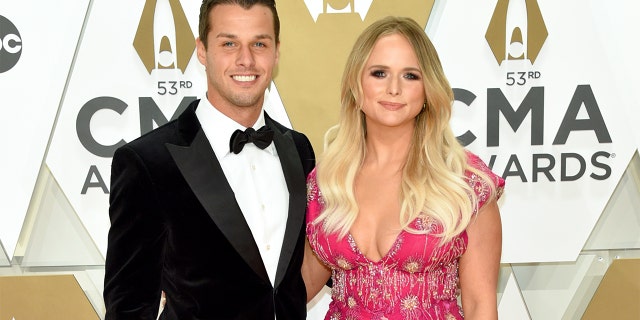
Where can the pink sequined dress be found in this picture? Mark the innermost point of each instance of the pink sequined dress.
(416, 279)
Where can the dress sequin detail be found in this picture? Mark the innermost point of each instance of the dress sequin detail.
(416, 279)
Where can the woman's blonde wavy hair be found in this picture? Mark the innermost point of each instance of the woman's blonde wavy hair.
(433, 177)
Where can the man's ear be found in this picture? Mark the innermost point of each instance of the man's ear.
(201, 52)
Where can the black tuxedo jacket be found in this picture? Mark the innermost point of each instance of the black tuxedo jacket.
(176, 227)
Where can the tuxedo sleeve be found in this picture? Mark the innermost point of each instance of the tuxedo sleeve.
(305, 151)
(133, 263)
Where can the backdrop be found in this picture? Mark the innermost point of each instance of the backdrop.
(546, 94)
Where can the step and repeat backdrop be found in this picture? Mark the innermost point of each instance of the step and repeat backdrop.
(545, 92)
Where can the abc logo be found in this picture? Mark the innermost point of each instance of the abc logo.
(10, 45)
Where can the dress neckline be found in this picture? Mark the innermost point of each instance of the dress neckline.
(385, 257)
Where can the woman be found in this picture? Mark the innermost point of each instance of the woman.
(400, 216)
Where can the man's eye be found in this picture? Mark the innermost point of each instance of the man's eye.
(260, 44)
(228, 44)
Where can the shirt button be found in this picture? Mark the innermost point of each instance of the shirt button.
(262, 207)
(253, 167)
(268, 247)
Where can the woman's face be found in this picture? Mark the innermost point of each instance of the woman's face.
(392, 85)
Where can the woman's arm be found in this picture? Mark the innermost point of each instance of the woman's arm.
(314, 273)
(480, 264)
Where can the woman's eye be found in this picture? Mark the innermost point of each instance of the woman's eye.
(411, 76)
(378, 74)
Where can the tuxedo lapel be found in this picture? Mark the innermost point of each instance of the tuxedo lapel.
(202, 171)
(294, 175)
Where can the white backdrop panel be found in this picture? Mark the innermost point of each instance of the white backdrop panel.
(621, 47)
(111, 78)
(546, 217)
(31, 93)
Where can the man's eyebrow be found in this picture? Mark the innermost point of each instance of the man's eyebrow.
(264, 36)
(226, 35)
(233, 36)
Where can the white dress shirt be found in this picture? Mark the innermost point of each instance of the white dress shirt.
(256, 178)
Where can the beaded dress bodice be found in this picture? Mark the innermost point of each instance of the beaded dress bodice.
(416, 279)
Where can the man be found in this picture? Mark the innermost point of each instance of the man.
(218, 227)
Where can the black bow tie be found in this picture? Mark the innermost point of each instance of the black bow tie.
(261, 138)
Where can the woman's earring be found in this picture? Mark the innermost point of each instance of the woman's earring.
(424, 106)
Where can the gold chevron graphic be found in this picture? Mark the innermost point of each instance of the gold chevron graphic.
(497, 31)
(144, 39)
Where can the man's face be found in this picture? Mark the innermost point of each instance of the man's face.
(240, 56)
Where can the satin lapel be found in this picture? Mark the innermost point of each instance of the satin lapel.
(294, 175)
(201, 169)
